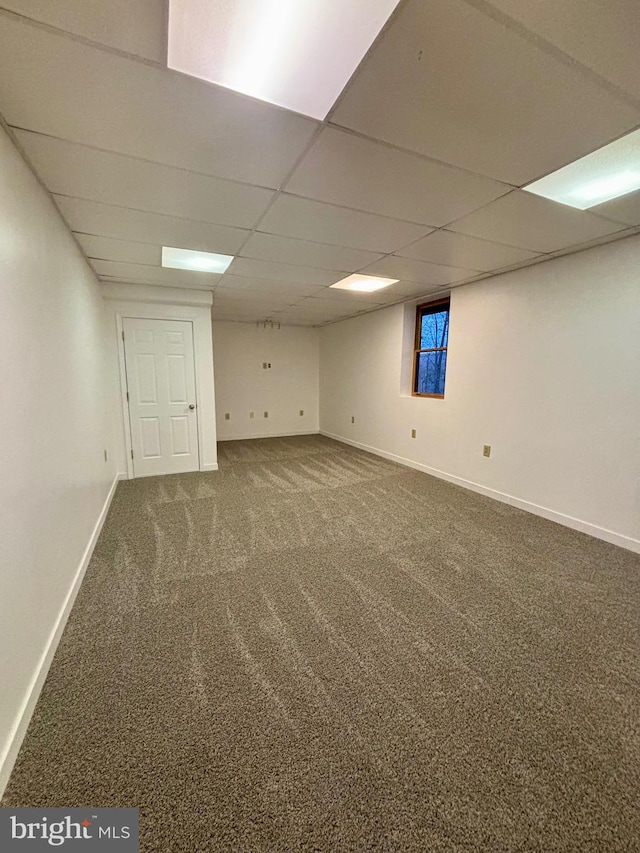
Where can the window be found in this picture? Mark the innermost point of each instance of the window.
(430, 356)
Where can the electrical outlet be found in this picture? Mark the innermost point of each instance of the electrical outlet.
(251, 414)
(413, 433)
(486, 450)
(105, 455)
(227, 416)
(266, 414)
(353, 420)
(269, 365)
(301, 413)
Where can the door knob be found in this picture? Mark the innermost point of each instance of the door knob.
(191, 406)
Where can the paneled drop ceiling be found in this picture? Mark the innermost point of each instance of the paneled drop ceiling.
(415, 174)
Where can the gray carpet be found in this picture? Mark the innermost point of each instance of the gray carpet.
(317, 650)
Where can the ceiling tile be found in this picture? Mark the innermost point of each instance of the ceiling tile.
(271, 247)
(600, 241)
(104, 248)
(238, 308)
(310, 305)
(624, 209)
(534, 223)
(155, 275)
(350, 297)
(418, 271)
(242, 284)
(393, 293)
(602, 36)
(311, 220)
(296, 320)
(300, 318)
(318, 312)
(222, 315)
(136, 28)
(489, 100)
(238, 305)
(92, 217)
(263, 308)
(344, 169)
(63, 88)
(69, 169)
(459, 250)
(248, 267)
(406, 290)
(227, 315)
(114, 279)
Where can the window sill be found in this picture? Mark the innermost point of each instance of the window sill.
(412, 396)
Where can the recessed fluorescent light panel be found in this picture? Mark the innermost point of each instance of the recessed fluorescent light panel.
(185, 259)
(364, 283)
(298, 54)
(607, 173)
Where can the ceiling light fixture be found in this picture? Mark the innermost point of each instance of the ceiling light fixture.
(364, 283)
(186, 259)
(607, 173)
(296, 54)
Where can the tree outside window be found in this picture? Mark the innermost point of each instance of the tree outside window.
(432, 338)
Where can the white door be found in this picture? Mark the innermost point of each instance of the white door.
(162, 396)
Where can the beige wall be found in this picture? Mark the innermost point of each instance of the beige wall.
(243, 386)
(54, 476)
(544, 366)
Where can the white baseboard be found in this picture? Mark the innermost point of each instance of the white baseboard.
(16, 736)
(560, 518)
(209, 466)
(268, 435)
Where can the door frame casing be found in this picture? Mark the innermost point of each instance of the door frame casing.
(200, 317)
